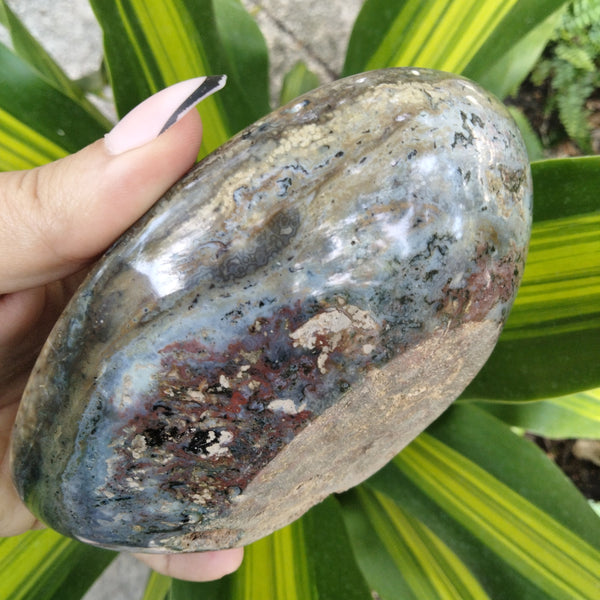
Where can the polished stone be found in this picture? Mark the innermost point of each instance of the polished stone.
(286, 318)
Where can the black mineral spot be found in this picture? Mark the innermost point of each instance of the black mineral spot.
(154, 436)
(202, 440)
(476, 120)
(284, 184)
(459, 137)
(220, 390)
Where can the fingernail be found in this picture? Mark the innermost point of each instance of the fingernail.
(156, 114)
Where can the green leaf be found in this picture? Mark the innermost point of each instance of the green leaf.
(44, 565)
(298, 80)
(158, 587)
(565, 187)
(310, 559)
(246, 97)
(501, 505)
(535, 150)
(450, 35)
(38, 123)
(524, 17)
(151, 45)
(27, 47)
(400, 556)
(506, 74)
(574, 416)
(551, 343)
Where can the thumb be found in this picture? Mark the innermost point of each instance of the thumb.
(56, 218)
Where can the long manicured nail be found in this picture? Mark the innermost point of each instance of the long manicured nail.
(156, 114)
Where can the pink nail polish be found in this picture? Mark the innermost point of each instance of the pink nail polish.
(156, 114)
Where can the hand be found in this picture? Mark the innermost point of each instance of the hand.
(54, 221)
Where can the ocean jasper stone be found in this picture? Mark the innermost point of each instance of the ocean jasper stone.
(291, 314)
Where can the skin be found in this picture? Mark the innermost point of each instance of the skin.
(54, 222)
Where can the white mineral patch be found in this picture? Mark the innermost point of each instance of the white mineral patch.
(398, 232)
(138, 446)
(286, 406)
(361, 318)
(195, 395)
(325, 324)
(330, 325)
(219, 440)
(243, 369)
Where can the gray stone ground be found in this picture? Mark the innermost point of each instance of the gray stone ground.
(315, 31)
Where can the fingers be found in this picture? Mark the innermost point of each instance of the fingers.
(201, 566)
(14, 517)
(26, 318)
(56, 218)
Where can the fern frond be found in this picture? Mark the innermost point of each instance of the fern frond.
(582, 14)
(573, 114)
(577, 56)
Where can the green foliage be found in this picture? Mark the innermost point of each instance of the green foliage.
(44, 565)
(468, 509)
(576, 416)
(573, 67)
(298, 80)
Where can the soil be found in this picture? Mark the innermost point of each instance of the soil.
(583, 473)
(532, 100)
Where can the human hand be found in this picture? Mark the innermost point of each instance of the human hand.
(54, 221)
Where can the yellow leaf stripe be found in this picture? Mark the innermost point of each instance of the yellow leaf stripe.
(561, 280)
(531, 541)
(275, 567)
(22, 147)
(169, 30)
(585, 404)
(158, 587)
(47, 550)
(429, 567)
(439, 34)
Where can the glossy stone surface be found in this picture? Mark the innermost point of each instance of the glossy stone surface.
(289, 316)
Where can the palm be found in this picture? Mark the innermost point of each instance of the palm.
(26, 319)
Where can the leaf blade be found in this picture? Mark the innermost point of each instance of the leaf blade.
(575, 416)
(522, 19)
(550, 345)
(47, 566)
(400, 556)
(29, 49)
(150, 46)
(298, 80)
(548, 524)
(158, 587)
(448, 35)
(294, 563)
(38, 123)
(492, 507)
